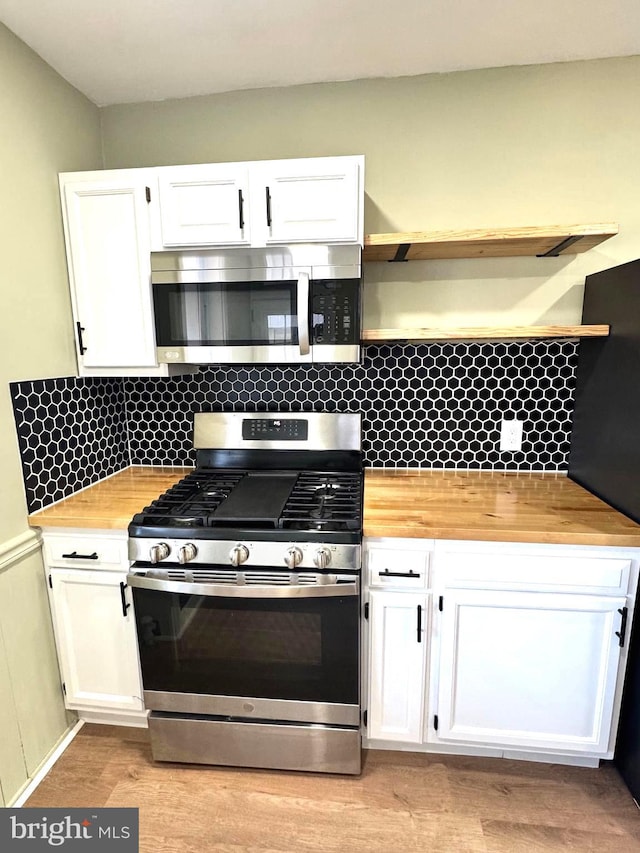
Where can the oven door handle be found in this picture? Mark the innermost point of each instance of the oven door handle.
(303, 312)
(323, 590)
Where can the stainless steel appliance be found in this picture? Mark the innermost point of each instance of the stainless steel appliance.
(246, 587)
(287, 304)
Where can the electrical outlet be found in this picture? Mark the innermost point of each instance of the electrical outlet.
(511, 434)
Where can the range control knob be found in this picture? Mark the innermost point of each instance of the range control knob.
(322, 558)
(187, 552)
(293, 557)
(239, 554)
(159, 552)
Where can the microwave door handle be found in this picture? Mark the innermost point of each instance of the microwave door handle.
(246, 590)
(303, 312)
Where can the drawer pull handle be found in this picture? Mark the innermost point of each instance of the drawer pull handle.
(125, 604)
(624, 612)
(410, 574)
(75, 556)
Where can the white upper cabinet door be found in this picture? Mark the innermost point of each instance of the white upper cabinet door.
(96, 641)
(314, 200)
(108, 244)
(528, 670)
(399, 632)
(204, 205)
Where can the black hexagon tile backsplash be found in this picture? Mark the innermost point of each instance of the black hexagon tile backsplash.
(71, 433)
(430, 406)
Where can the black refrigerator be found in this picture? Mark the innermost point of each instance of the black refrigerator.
(605, 447)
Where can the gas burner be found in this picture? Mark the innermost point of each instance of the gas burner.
(324, 524)
(327, 491)
(321, 510)
(326, 501)
(213, 494)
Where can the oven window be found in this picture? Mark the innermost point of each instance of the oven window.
(300, 649)
(240, 313)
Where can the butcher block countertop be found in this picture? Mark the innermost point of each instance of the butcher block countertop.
(478, 505)
(491, 506)
(111, 503)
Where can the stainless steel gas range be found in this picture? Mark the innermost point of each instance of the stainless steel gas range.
(246, 587)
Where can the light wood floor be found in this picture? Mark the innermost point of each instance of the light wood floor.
(402, 802)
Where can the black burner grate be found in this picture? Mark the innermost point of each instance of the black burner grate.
(192, 501)
(316, 501)
(321, 501)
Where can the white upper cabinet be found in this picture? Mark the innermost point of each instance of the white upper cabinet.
(204, 205)
(108, 244)
(310, 200)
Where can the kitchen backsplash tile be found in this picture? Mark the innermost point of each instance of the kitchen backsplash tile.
(430, 406)
(71, 432)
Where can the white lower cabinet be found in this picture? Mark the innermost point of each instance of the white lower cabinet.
(96, 634)
(94, 624)
(528, 670)
(523, 648)
(399, 636)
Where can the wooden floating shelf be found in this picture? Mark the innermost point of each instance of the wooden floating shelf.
(487, 333)
(548, 241)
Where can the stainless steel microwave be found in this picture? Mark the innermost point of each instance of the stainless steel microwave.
(293, 304)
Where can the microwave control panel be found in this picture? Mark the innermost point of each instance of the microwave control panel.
(335, 311)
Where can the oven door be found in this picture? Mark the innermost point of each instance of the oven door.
(285, 648)
(232, 316)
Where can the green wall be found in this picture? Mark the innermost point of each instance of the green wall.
(47, 127)
(528, 145)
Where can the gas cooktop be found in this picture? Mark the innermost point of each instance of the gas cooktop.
(251, 501)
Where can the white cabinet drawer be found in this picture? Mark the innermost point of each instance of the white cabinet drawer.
(86, 551)
(398, 568)
(538, 571)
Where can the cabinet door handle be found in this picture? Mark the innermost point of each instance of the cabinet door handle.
(624, 612)
(80, 330)
(240, 210)
(268, 194)
(75, 556)
(125, 604)
(419, 637)
(410, 574)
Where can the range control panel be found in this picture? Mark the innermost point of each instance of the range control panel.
(275, 429)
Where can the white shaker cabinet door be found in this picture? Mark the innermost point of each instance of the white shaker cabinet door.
(204, 205)
(108, 245)
(399, 632)
(313, 200)
(528, 670)
(96, 641)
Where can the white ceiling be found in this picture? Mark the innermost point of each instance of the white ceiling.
(117, 51)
